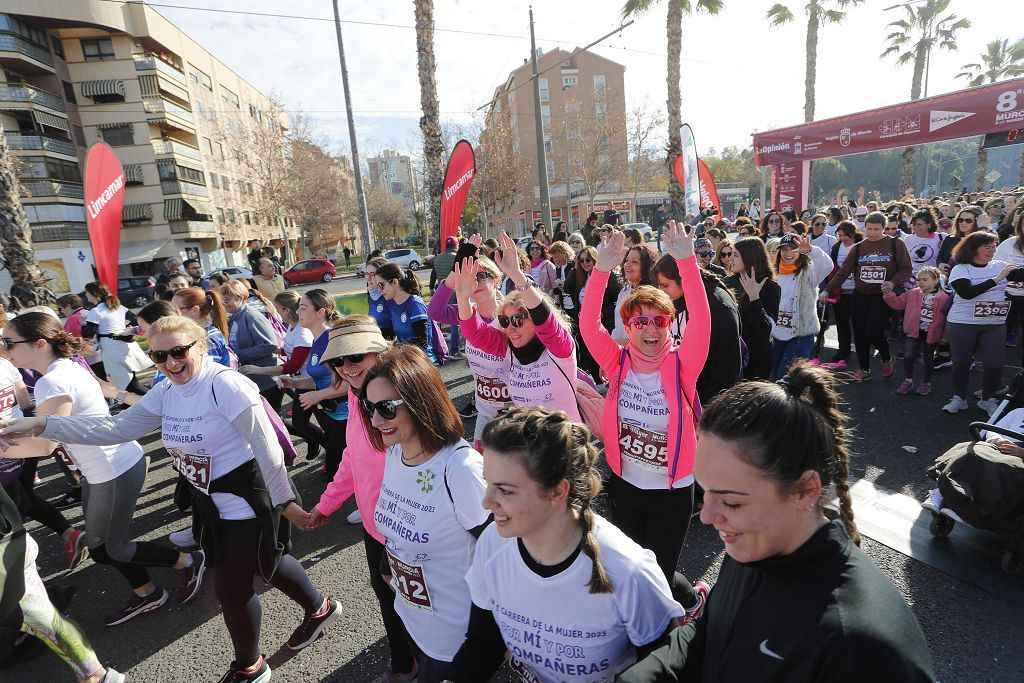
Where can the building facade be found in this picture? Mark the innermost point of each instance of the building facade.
(583, 114)
(394, 173)
(79, 71)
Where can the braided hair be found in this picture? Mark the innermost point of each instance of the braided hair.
(552, 448)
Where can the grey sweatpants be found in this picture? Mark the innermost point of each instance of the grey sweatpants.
(983, 343)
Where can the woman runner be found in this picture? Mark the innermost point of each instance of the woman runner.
(108, 322)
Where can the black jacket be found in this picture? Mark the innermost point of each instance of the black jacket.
(724, 365)
(822, 613)
(756, 319)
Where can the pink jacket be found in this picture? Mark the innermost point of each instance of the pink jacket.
(679, 370)
(361, 472)
(911, 301)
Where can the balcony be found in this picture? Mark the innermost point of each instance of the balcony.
(172, 186)
(59, 232)
(10, 42)
(162, 147)
(18, 141)
(160, 111)
(21, 92)
(197, 228)
(54, 188)
(150, 62)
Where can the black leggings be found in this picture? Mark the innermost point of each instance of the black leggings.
(38, 508)
(302, 426)
(870, 327)
(657, 520)
(402, 658)
(336, 440)
(842, 311)
(236, 564)
(274, 396)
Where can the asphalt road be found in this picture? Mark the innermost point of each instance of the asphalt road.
(973, 633)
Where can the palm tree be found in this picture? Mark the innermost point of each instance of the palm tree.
(16, 237)
(818, 14)
(430, 123)
(999, 60)
(911, 41)
(674, 27)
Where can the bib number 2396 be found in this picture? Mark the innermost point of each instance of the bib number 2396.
(409, 582)
(195, 468)
(991, 310)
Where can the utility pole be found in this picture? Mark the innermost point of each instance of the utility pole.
(542, 160)
(364, 216)
(568, 175)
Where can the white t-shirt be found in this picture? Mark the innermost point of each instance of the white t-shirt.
(1013, 420)
(9, 409)
(549, 382)
(554, 627)
(109, 321)
(988, 308)
(297, 336)
(643, 432)
(425, 513)
(198, 433)
(924, 251)
(844, 251)
(98, 464)
(619, 333)
(825, 241)
(1007, 251)
(490, 377)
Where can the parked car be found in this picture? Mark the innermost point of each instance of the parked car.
(645, 230)
(234, 272)
(407, 258)
(136, 292)
(310, 270)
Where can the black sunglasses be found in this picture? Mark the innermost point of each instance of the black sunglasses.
(586, 259)
(9, 343)
(819, 224)
(386, 409)
(516, 320)
(705, 254)
(178, 353)
(338, 361)
(774, 220)
(964, 220)
(536, 248)
(483, 275)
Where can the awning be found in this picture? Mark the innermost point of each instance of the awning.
(140, 252)
(137, 212)
(148, 86)
(198, 207)
(173, 209)
(133, 174)
(112, 124)
(186, 209)
(46, 119)
(110, 86)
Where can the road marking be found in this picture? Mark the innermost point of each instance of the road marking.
(899, 522)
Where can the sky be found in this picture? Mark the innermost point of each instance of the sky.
(738, 74)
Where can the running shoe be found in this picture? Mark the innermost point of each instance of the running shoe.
(836, 365)
(955, 405)
(946, 512)
(933, 503)
(924, 388)
(860, 376)
(191, 578)
(942, 362)
(989, 405)
(354, 517)
(257, 674)
(905, 386)
(75, 549)
(113, 676)
(184, 538)
(314, 624)
(135, 605)
(469, 410)
(888, 368)
(390, 676)
(70, 499)
(692, 614)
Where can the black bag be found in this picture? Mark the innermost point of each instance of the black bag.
(982, 485)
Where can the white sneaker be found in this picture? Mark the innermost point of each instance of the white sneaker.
(354, 518)
(934, 502)
(989, 405)
(184, 538)
(946, 512)
(955, 405)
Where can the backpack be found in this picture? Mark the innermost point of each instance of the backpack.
(280, 331)
(438, 344)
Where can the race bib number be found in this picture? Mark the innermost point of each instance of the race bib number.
(408, 581)
(1015, 288)
(991, 310)
(927, 316)
(8, 399)
(492, 390)
(785, 319)
(195, 468)
(523, 673)
(644, 448)
(874, 275)
(63, 454)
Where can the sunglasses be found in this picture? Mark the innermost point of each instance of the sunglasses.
(726, 254)
(386, 409)
(338, 361)
(380, 286)
(586, 259)
(516, 320)
(481, 276)
(536, 248)
(576, 243)
(964, 220)
(819, 224)
(706, 254)
(177, 353)
(9, 343)
(640, 322)
(776, 221)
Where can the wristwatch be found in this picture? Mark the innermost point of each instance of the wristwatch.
(525, 286)
(119, 396)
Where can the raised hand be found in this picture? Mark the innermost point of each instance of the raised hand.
(507, 258)
(611, 252)
(678, 238)
(464, 280)
(803, 243)
(751, 286)
(476, 240)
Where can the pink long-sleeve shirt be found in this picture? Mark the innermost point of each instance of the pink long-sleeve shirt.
(361, 472)
(679, 370)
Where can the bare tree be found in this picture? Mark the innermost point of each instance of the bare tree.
(321, 192)
(16, 237)
(598, 149)
(388, 215)
(642, 126)
(430, 122)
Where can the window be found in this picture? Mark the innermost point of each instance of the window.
(58, 47)
(220, 215)
(251, 193)
(220, 150)
(207, 146)
(229, 97)
(118, 136)
(245, 218)
(201, 108)
(226, 184)
(543, 82)
(599, 86)
(97, 49)
(252, 110)
(230, 214)
(79, 136)
(198, 77)
(213, 181)
(602, 141)
(601, 111)
(545, 116)
(547, 145)
(69, 92)
(241, 186)
(55, 213)
(569, 81)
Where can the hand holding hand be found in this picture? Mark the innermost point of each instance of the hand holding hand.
(887, 287)
(678, 238)
(19, 428)
(316, 520)
(109, 390)
(286, 382)
(297, 516)
(611, 252)
(1007, 269)
(751, 286)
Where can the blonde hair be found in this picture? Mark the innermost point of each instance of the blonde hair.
(488, 266)
(515, 299)
(40, 309)
(561, 249)
(236, 288)
(179, 324)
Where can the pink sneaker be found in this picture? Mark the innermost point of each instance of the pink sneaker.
(838, 365)
(692, 614)
(905, 386)
(924, 389)
(889, 369)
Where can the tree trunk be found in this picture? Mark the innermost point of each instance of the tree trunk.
(674, 29)
(812, 60)
(979, 176)
(909, 153)
(28, 286)
(1020, 170)
(430, 123)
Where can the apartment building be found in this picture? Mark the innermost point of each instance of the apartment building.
(79, 71)
(583, 110)
(394, 173)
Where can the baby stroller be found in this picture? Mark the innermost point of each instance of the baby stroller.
(984, 488)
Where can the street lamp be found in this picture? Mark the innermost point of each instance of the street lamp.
(568, 176)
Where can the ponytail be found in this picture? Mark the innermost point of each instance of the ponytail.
(100, 292)
(218, 315)
(209, 304)
(34, 326)
(406, 278)
(599, 581)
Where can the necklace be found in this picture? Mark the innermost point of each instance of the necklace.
(565, 551)
(409, 461)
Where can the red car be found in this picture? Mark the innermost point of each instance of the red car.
(311, 270)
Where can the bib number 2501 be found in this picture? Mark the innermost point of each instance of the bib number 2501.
(409, 582)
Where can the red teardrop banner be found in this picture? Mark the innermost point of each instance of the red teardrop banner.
(104, 199)
(457, 179)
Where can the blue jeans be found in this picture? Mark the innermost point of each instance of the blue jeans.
(454, 338)
(785, 352)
